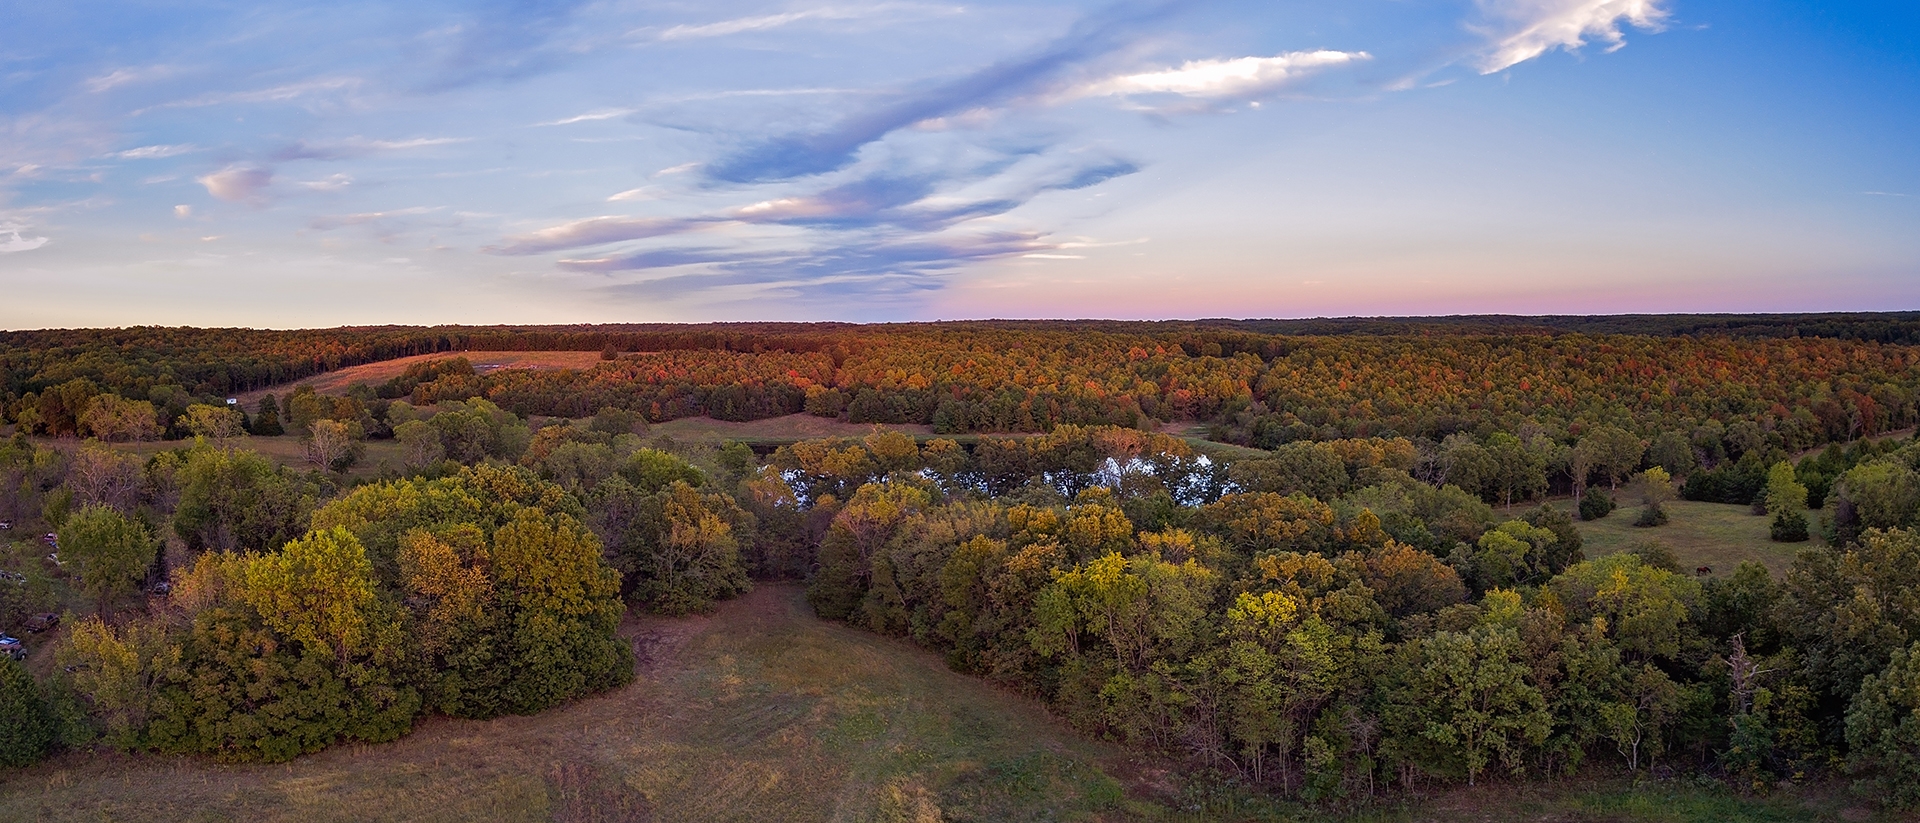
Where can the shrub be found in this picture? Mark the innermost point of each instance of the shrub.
(1789, 527)
(1595, 504)
(1652, 515)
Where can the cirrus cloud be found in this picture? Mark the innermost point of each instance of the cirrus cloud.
(1530, 28)
(1241, 77)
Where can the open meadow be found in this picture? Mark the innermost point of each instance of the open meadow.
(1717, 535)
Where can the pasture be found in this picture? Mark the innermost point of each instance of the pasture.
(1719, 535)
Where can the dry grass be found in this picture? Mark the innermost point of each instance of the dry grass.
(336, 382)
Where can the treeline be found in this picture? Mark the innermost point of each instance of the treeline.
(1258, 391)
(1823, 377)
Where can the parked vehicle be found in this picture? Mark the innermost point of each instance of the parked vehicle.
(12, 647)
(42, 622)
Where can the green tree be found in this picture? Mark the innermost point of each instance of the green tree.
(1515, 552)
(237, 500)
(1847, 611)
(562, 605)
(1595, 504)
(686, 555)
(1468, 695)
(1674, 452)
(1647, 610)
(1883, 729)
(118, 670)
(1654, 487)
(1637, 722)
(651, 470)
(27, 725)
(111, 553)
(1612, 451)
(114, 419)
(1520, 470)
(266, 418)
(1784, 492)
(318, 590)
(421, 441)
(215, 423)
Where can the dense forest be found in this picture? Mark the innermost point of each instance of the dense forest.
(1262, 389)
(1386, 592)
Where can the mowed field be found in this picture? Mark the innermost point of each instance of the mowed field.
(373, 374)
(763, 713)
(1718, 535)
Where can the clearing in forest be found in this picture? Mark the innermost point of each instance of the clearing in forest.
(373, 374)
(1717, 535)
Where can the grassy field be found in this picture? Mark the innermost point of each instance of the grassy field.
(286, 450)
(336, 382)
(763, 713)
(1701, 534)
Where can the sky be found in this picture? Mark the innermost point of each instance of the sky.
(292, 164)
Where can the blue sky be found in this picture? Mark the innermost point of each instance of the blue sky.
(546, 161)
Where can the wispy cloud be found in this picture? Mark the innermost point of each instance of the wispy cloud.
(17, 241)
(800, 155)
(334, 182)
(877, 202)
(603, 114)
(766, 22)
(1525, 29)
(503, 40)
(595, 231)
(121, 77)
(331, 222)
(356, 147)
(156, 152)
(642, 193)
(275, 94)
(1241, 77)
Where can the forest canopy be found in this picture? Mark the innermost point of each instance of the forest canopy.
(1384, 584)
